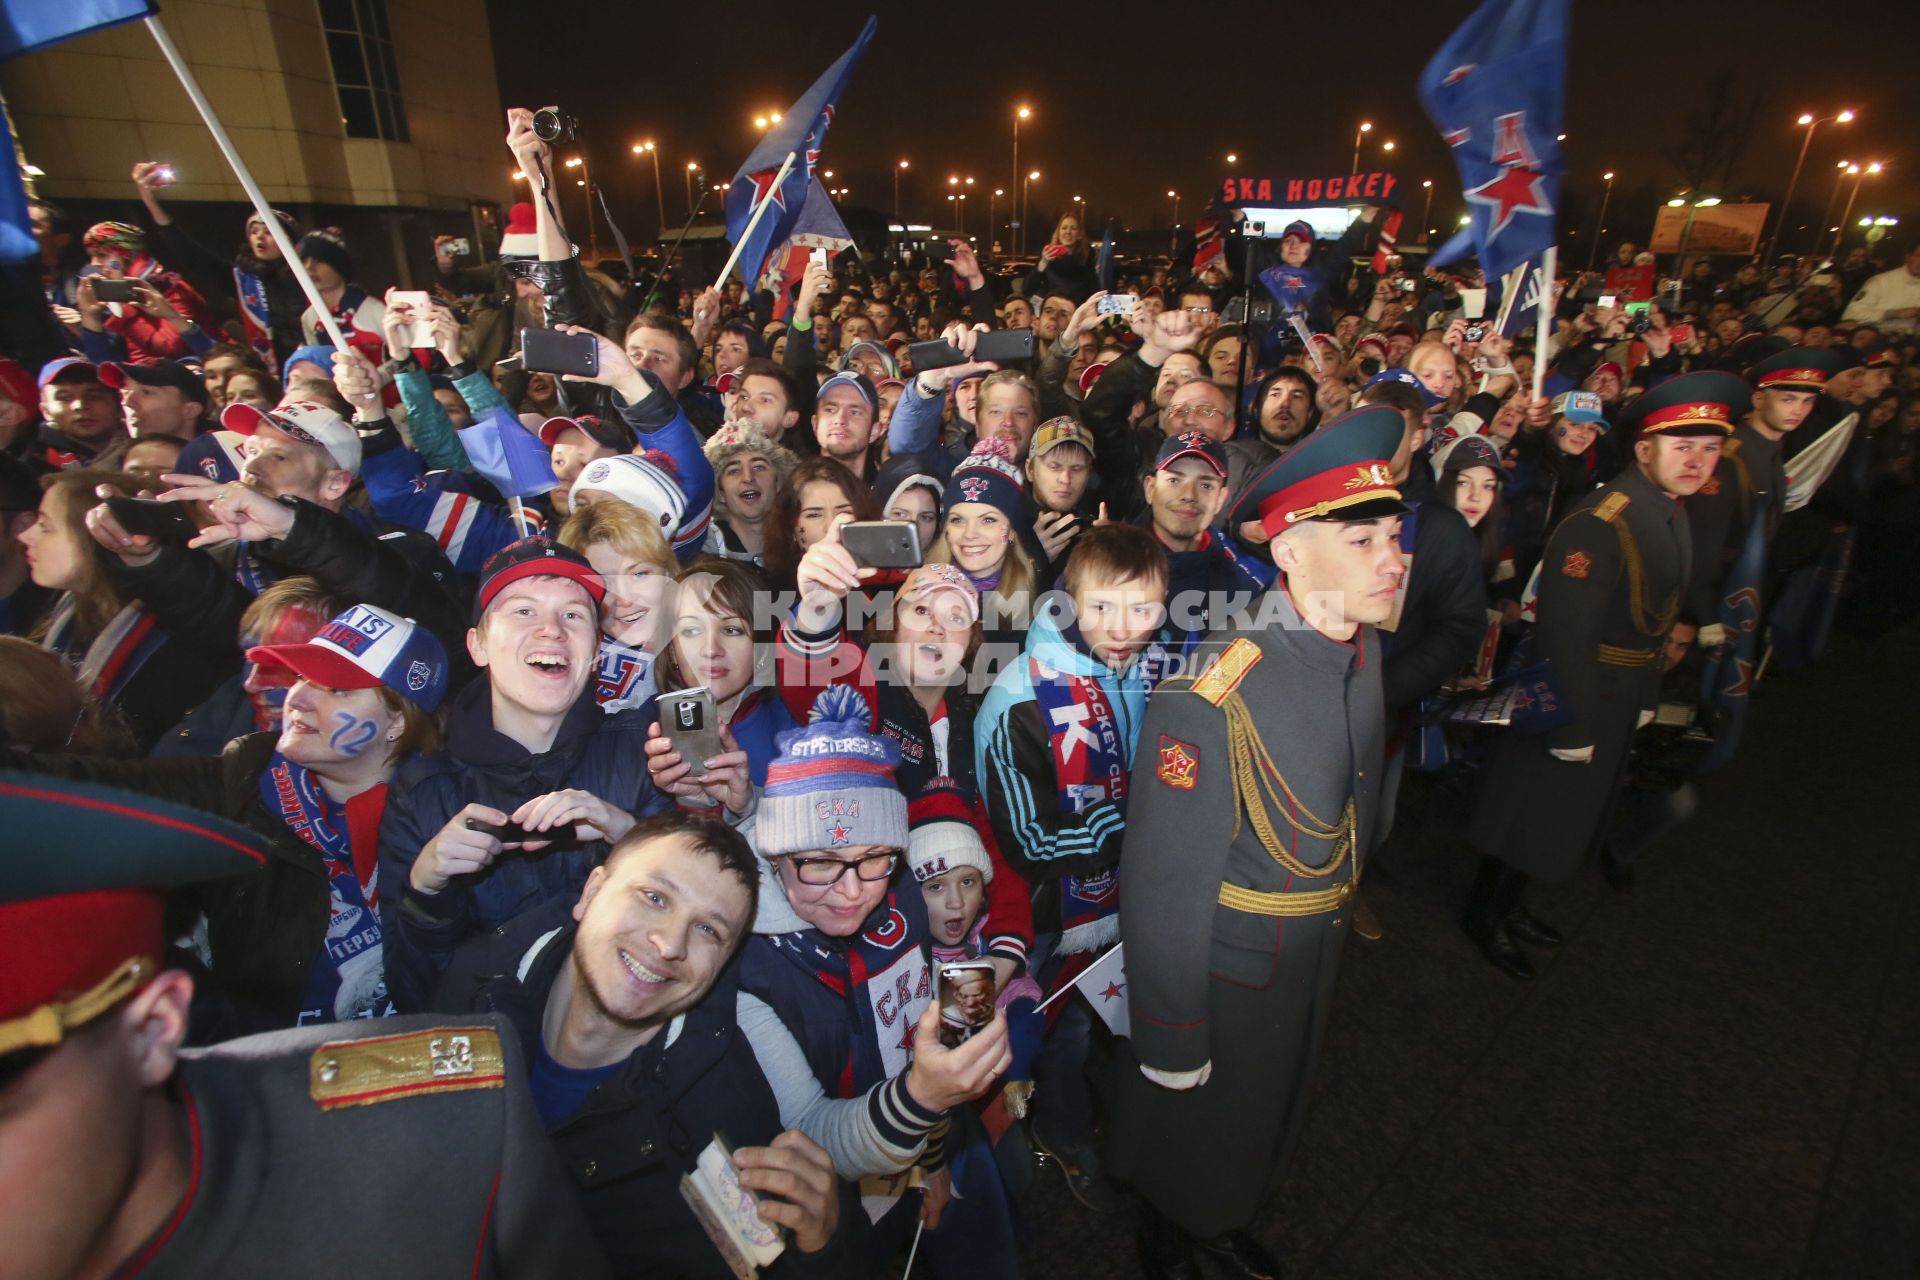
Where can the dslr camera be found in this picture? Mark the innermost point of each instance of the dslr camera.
(551, 124)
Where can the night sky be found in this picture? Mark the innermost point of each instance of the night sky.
(1130, 100)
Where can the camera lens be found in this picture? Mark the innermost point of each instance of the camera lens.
(546, 124)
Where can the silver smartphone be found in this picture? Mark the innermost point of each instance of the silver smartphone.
(688, 718)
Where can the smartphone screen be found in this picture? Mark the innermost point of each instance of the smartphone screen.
(418, 305)
(687, 717)
(1609, 300)
(966, 1000)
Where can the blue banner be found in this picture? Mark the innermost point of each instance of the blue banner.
(27, 25)
(1496, 90)
(1726, 680)
(508, 455)
(801, 133)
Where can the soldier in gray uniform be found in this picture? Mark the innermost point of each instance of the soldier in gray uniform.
(400, 1147)
(1254, 797)
(1612, 580)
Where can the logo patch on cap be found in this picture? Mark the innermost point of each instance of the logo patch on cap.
(972, 487)
(417, 675)
(599, 471)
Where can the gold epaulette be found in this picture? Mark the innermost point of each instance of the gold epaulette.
(1225, 675)
(1610, 507)
(358, 1073)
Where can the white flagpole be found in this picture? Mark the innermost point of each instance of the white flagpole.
(1109, 954)
(1543, 327)
(221, 140)
(746, 233)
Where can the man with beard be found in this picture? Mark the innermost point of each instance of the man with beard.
(624, 1004)
(1751, 479)
(844, 414)
(1612, 581)
(1285, 401)
(1245, 838)
(80, 417)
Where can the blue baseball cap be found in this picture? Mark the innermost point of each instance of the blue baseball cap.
(367, 648)
(1580, 406)
(1409, 377)
(849, 378)
(69, 369)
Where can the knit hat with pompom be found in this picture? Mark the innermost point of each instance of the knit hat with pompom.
(832, 784)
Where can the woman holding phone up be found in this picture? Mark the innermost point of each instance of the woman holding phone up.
(712, 645)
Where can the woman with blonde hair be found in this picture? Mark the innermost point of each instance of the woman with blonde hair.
(124, 658)
(627, 549)
(1066, 264)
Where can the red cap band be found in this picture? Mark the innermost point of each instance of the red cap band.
(1321, 495)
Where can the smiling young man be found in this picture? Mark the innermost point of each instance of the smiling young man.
(624, 1005)
(1245, 837)
(1208, 573)
(529, 745)
(1612, 582)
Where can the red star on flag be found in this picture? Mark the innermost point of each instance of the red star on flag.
(1516, 190)
(1112, 991)
(763, 189)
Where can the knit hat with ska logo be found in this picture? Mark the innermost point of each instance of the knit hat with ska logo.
(832, 785)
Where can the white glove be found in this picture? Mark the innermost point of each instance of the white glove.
(1572, 755)
(1181, 1080)
(1713, 635)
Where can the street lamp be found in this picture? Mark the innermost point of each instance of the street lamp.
(1232, 158)
(769, 119)
(693, 167)
(1858, 174)
(1808, 121)
(586, 180)
(1426, 207)
(1386, 146)
(647, 148)
(1033, 175)
(1600, 227)
(897, 171)
(1017, 233)
(1366, 127)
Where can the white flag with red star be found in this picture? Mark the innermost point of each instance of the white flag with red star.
(1104, 984)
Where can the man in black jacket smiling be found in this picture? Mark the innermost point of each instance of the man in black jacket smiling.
(624, 1004)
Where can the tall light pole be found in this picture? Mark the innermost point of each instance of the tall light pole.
(1017, 232)
(1600, 227)
(1858, 174)
(1366, 127)
(1808, 121)
(991, 224)
(897, 171)
(693, 167)
(1426, 207)
(1826, 217)
(647, 148)
(1032, 175)
(586, 180)
(1174, 242)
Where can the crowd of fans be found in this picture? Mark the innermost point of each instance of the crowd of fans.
(443, 702)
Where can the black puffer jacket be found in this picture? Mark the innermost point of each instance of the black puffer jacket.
(640, 1130)
(198, 595)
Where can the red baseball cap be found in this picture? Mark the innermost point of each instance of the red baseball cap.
(535, 558)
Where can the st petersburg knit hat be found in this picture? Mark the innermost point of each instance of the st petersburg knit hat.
(832, 785)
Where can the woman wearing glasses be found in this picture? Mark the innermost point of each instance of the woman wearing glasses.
(837, 993)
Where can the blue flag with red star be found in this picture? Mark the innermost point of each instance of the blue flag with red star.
(801, 133)
(1496, 90)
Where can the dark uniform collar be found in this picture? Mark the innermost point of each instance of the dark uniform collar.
(1299, 639)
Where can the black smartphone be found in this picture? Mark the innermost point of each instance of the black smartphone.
(1002, 345)
(550, 351)
(566, 837)
(161, 521)
(882, 544)
(122, 290)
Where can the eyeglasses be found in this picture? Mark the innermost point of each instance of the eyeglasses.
(1199, 311)
(1204, 412)
(821, 872)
